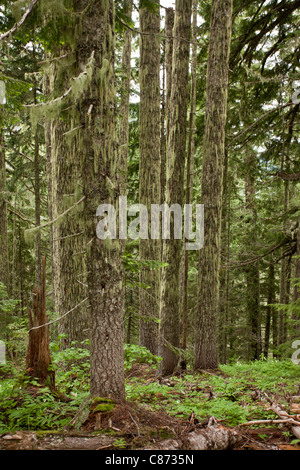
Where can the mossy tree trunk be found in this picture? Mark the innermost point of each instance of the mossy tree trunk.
(190, 169)
(124, 105)
(212, 182)
(169, 333)
(223, 310)
(97, 150)
(65, 188)
(4, 268)
(149, 170)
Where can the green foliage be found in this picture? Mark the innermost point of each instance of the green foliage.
(134, 354)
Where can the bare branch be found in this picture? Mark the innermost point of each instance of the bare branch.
(20, 22)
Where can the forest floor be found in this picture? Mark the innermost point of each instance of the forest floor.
(240, 407)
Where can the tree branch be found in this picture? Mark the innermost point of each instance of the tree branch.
(20, 22)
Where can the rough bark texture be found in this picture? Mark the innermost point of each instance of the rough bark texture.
(38, 358)
(176, 151)
(190, 169)
(170, 18)
(223, 311)
(97, 151)
(149, 170)
(212, 182)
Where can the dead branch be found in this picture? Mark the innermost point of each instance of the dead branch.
(20, 22)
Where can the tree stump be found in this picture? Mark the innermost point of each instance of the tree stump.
(38, 359)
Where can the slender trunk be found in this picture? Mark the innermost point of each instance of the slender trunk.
(163, 131)
(124, 106)
(37, 210)
(223, 325)
(284, 278)
(270, 309)
(170, 18)
(190, 168)
(4, 268)
(150, 170)
(212, 182)
(252, 270)
(169, 338)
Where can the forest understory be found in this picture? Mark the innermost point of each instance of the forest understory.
(237, 407)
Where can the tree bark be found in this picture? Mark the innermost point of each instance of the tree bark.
(124, 105)
(270, 309)
(4, 267)
(212, 182)
(190, 168)
(97, 150)
(67, 236)
(252, 270)
(150, 170)
(169, 334)
(38, 360)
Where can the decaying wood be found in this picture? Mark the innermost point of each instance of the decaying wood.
(47, 441)
(211, 438)
(38, 358)
(295, 425)
(214, 437)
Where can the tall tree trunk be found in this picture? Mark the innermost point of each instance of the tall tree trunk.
(169, 338)
(38, 274)
(97, 148)
(124, 105)
(252, 270)
(67, 236)
(4, 269)
(284, 278)
(212, 182)
(190, 169)
(150, 169)
(270, 309)
(170, 18)
(223, 316)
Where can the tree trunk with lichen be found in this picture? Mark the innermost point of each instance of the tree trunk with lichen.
(4, 269)
(124, 105)
(169, 334)
(190, 170)
(149, 171)
(97, 151)
(212, 183)
(65, 189)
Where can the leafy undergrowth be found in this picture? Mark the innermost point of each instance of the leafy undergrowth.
(233, 395)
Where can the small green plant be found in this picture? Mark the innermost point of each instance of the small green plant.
(120, 443)
(134, 354)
